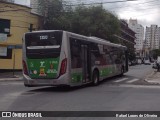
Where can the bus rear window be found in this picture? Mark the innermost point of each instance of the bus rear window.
(38, 40)
(43, 44)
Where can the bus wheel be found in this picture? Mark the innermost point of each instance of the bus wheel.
(122, 71)
(26, 85)
(95, 78)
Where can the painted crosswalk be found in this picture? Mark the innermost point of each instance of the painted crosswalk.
(120, 80)
(126, 80)
(133, 80)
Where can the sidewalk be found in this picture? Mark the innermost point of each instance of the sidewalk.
(154, 77)
(9, 76)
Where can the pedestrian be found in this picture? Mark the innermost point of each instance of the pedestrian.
(158, 67)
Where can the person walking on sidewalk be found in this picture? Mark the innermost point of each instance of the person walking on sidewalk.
(158, 67)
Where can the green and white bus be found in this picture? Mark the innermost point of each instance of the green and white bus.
(55, 58)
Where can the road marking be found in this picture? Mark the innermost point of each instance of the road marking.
(140, 86)
(8, 99)
(120, 80)
(133, 80)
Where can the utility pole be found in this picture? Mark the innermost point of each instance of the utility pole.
(31, 27)
(14, 60)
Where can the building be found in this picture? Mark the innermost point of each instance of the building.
(127, 38)
(139, 30)
(127, 34)
(15, 20)
(152, 37)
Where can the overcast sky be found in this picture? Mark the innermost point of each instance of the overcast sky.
(147, 12)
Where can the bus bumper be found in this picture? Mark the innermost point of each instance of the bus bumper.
(62, 80)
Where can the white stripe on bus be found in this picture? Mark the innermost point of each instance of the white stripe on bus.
(43, 47)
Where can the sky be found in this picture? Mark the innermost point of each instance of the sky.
(23, 2)
(147, 12)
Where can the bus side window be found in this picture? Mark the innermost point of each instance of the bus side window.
(117, 56)
(107, 55)
(95, 54)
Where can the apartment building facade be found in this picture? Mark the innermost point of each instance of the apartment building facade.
(127, 38)
(139, 30)
(152, 37)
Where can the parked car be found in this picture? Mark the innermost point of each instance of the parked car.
(139, 61)
(147, 62)
(154, 66)
(129, 63)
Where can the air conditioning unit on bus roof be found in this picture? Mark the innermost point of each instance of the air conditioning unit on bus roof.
(93, 37)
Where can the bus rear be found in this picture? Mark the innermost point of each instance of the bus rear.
(43, 61)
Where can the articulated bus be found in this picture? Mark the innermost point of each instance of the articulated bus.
(57, 58)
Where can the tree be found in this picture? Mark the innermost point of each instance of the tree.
(155, 53)
(89, 21)
(95, 21)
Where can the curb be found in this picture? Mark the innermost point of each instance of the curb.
(11, 79)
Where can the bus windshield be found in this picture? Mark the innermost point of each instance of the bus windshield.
(43, 44)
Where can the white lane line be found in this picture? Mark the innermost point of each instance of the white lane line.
(133, 80)
(120, 80)
(140, 86)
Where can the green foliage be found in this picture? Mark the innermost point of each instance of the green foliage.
(95, 21)
(131, 55)
(89, 21)
(155, 53)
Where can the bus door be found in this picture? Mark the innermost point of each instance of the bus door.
(126, 61)
(86, 64)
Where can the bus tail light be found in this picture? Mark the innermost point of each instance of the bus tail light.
(63, 66)
(25, 71)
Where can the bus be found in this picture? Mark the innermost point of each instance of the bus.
(57, 58)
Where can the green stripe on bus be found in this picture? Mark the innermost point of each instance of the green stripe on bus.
(76, 77)
(43, 68)
(106, 72)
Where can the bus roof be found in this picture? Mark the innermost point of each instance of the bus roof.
(102, 41)
(91, 38)
(97, 40)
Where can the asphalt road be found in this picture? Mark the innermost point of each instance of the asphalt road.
(105, 97)
(139, 71)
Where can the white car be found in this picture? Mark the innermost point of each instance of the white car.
(139, 61)
(147, 62)
(158, 59)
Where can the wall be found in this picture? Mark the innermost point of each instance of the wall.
(20, 20)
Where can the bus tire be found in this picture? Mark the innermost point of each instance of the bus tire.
(26, 85)
(122, 71)
(95, 78)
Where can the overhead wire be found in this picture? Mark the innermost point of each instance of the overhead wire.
(134, 4)
(100, 3)
(153, 1)
(140, 9)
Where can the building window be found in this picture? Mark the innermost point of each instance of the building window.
(5, 53)
(5, 26)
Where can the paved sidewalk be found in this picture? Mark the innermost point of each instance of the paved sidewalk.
(154, 77)
(10, 76)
